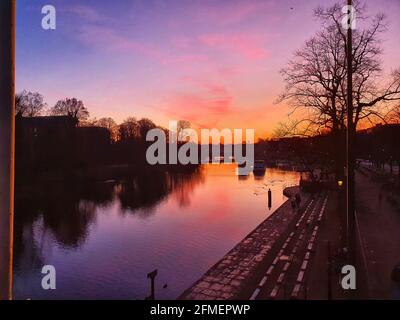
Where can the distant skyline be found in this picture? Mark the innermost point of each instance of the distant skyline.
(213, 63)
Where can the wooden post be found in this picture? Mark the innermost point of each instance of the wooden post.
(269, 199)
(152, 275)
(7, 135)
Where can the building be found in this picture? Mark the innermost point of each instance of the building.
(56, 142)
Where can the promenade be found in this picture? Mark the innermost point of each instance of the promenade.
(287, 275)
(273, 261)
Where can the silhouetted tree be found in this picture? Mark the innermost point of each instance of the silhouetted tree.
(316, 76)
(108, 123)
(394, 115)
(29, 104)
(128, 129)
(70, 107)
(145, 125)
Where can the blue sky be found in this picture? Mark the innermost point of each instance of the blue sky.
(214, 63)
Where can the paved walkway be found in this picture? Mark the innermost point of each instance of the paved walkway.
(380, 232)
(331, 235)
(287, 275)
(235, 276)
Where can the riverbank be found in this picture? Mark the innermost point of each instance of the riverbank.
(99, 173)
(234, 276)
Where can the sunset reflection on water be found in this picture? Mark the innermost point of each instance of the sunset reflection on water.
(103, 239)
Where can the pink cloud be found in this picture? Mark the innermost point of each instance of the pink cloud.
(229, 72)
(96, 30)
(104, 37)
(233, 13)
(182, 42)
(212, 100)
(249, 46)
(212, 105)
(205, 84)
(192, 103)
(185, 59)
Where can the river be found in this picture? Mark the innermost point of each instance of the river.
(103, 238)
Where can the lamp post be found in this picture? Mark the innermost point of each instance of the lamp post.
(350, 230)
(7, 136)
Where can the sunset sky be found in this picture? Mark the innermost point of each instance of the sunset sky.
(214, 63)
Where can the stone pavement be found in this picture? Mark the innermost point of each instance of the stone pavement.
(286, 277)
(238, 269)
(331, 237)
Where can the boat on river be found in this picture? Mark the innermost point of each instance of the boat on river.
(259, 167)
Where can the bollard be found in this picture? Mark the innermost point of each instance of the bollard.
(269, 199)
(152, 275)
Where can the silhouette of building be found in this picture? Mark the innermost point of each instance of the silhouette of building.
(44, 141)
(56, 142)
(379, 144)
(92, 145)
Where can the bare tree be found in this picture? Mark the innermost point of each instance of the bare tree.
(108, 123)
(316, 80)
(145, 125)
(372, 90)
(393, 116)
(316, 76)
(29, 104)
(70, 107)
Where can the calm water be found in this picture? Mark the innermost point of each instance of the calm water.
(104, 238)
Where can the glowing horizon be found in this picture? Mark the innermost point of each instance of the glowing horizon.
(215, 64)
